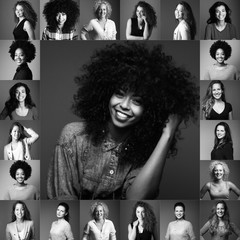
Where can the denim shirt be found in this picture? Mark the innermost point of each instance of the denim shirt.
(81, 170)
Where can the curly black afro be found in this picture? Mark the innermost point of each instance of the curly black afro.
(53, 7)
(222, 45)
(22, 165)
(27, 47)
(164, 88)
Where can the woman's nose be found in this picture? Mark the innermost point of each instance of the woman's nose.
(125, 103)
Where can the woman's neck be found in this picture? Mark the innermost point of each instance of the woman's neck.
(21, 105)
(20, 19)
(118, 134)
(216, 101)
(218, 181)
(19, 220)
(101, 220)
(221, 23)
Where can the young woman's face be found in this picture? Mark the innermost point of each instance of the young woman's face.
(19, 11)
(140, 12)
(21, 94)
(217, 91)
(220, 13)
(19, 57)
(15, 133)
(61, 212)
(140, 213)
(125, 109)
(220, 210)
(220, 132)
(218, 172)
(20, 176)
(179, 212)
(99, 212)
(102, 11)
(179, 12)
(220, 56)
(19, 211)
(61, 18)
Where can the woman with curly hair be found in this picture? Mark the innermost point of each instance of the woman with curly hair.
(220, 187)
(180, 228)
(61, 17)
(223, 146)
(21, 171)
(22, 52)
(61, 229)
(26, 19)
(221, 51)
(140, 26)
(186, 28)
(214, 105)
(143, 223)
(19, 106)
(129, 101)
(101, 27)
(19, 142)
(219, 224)
(99, 227)
(219, 25)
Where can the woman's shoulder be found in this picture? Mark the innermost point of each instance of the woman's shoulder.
(29, 222)
(110, 21)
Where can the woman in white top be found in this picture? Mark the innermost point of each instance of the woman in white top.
(101, 27)
(20, 139)
(100, 228)
(186, 28)
(180, 229)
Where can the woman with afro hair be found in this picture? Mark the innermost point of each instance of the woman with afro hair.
(186, 28)
(101, 27)
(219, 224)
(19, 106)
(221, 51)
(219, 25)
(26, 19)
(143, 223)
(21, 171)
(220, 187)
(140, 26)
(22, 52)
(61, 17)
(214, 104)
(130, 102)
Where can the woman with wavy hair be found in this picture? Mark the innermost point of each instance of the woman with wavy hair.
(180, 228)
(61, 17)
(140, 26)
(21, 171)
(20, 105)
(26, 19)
(219, 224)
(100, 227)
(21, 225)
(129, 101)
(220, 187)
(61, 229)
(220, 70)
(19, 142)
(22, 52)
(143, 223)
(101, 27)
(219, 25)
(223, 145)
(214, 104)
(186, 28)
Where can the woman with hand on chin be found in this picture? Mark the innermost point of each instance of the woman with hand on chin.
(143, 224)
(219, 225)
(180, 229)
(101, 27)
(21, 227)
(100, 227)
(219, 188)
(61, 229)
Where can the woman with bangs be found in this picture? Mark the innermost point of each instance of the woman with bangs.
(129, 102)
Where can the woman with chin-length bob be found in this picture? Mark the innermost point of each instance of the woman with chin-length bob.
(129, 102)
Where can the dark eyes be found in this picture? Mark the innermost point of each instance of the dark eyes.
(134, 99)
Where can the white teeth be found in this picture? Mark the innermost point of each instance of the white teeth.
(122, 115)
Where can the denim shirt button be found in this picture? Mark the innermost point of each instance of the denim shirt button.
(111, 172)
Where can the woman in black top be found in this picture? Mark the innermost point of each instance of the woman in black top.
(22, 52)
(223, 149)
